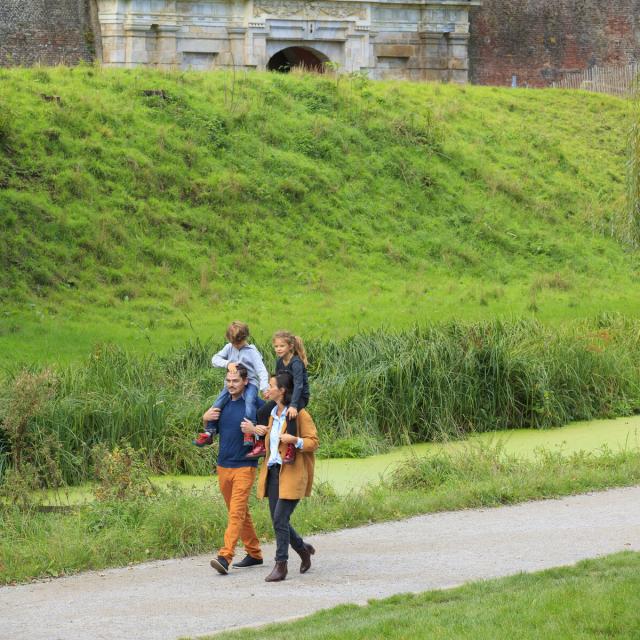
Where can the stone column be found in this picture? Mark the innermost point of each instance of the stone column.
(113, 45)
(371, 54)
(237, 40)
(431, 57)
(136, 46)
(111, 29)
(257, 58)
(444, 29)
(166, 46)
(458, 50)
(356, 48)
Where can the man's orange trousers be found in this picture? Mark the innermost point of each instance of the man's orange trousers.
(235, 486)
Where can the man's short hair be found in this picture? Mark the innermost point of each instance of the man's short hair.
(243, 372)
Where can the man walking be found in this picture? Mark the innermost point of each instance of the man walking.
(236, 475)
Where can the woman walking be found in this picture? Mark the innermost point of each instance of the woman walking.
(285, 485)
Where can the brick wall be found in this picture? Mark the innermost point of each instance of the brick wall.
(45, 31)
(540, 40)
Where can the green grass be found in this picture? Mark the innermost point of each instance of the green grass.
(633, 175)
(179, 522)
(593, 599)
(298, 201)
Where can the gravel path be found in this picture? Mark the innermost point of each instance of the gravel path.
(165, 600)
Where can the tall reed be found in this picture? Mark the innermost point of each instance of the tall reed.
(381, 388)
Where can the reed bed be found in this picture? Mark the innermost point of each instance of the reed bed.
(447, 381)
(372, 390)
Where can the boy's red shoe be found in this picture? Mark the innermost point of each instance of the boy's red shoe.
(247, 440)
(258, 451)
(290, 455)
(203, 439)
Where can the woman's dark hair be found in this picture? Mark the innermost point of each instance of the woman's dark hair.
(284, 381)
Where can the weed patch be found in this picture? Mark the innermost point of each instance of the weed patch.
(176, 522)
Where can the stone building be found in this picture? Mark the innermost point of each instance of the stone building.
(419, 40)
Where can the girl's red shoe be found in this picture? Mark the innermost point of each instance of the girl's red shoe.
(290, 455)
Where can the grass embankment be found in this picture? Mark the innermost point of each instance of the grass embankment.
(633, 177)
(593, 599)
(298, 201)
(368, 392)
(178, 523)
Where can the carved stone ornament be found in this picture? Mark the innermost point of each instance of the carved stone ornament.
(301, 9)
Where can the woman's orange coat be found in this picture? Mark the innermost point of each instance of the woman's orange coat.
(296, 480)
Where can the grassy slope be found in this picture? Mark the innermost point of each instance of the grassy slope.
(593, 599)
(293, 201)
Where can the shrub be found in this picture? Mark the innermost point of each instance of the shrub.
(122, 474)
(18, 488)
(23, 401)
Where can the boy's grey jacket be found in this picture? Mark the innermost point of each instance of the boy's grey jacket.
(250, 357)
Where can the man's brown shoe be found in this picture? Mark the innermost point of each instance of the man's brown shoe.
(279, 572)
(305, 555)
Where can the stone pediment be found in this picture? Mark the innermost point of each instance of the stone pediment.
(308, 10)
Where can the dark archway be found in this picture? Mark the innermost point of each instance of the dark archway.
(290, 57)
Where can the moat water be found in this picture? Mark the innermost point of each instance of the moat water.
(347, 474)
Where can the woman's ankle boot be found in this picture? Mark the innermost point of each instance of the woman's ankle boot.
(278, 573)
(305, 555)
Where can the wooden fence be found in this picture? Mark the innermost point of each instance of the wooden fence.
(617, 81)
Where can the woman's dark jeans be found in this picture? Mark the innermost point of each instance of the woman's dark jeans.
(281, 511)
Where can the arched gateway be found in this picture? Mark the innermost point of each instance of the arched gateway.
(305, 57)
(410, 39)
